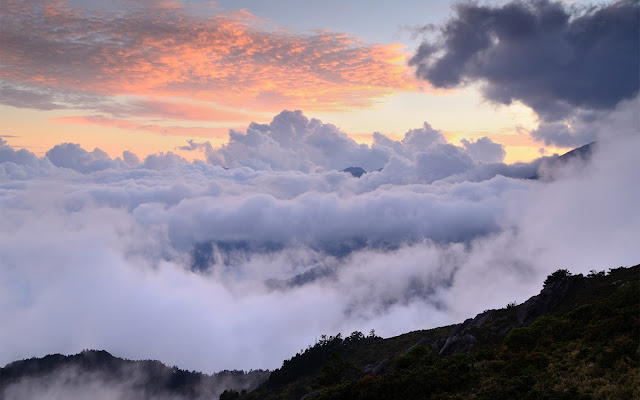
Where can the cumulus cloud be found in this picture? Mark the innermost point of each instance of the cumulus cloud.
(20, 164)
(294, 142)
(130, 158)
(72, 156)
(22, 157)
(484, 150)
(210, 268)
(566, 63)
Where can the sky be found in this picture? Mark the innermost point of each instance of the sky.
(171, 181)
(146, 76)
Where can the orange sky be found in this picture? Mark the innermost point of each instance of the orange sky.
(148, 81)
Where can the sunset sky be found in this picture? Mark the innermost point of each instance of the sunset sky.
(172, 180)
(147, 76)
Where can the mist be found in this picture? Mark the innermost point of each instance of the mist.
(209, 267)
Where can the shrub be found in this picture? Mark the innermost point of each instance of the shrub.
(520, 339)
(556, 276)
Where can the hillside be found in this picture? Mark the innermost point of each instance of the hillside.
(578, 339)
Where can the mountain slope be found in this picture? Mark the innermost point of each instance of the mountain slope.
(582, 153)
(577, 339)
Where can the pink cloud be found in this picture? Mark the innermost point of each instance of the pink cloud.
(228, 60)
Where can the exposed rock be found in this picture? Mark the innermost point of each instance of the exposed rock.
(380, 368)
(368, 369)
(620, 283)
(458, 344)
(377, 369)
(421, 342)
(478, 321)
(460, 341)
(437, 345)
(546, 301)
(310, 395)
(496, 331)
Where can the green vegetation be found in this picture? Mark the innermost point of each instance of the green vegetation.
(587, 347)
(578, 339)
(556, 276)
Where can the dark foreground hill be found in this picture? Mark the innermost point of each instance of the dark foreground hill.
(578, 339)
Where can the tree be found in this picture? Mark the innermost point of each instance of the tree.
(229, 395)
(557, 276)
(354, 337)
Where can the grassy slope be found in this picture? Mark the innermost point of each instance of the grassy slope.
(587, 349)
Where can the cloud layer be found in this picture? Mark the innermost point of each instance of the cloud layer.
(211, 268)
(136, 61)
(293, 142)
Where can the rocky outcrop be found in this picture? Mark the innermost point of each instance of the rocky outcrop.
(377, 369)
(437, 345)
(310, 395)
(548, 299)
(461, 339)
(422, 342)
(458, 344)
(478, 321)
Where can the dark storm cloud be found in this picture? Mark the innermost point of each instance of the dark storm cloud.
(552, 58)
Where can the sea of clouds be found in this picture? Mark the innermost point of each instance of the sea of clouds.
(243, 259)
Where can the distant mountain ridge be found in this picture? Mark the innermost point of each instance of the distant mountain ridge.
(355, 171)
(57, 376)
(582, 153)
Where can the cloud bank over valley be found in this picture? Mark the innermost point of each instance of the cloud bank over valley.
(242, 260)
